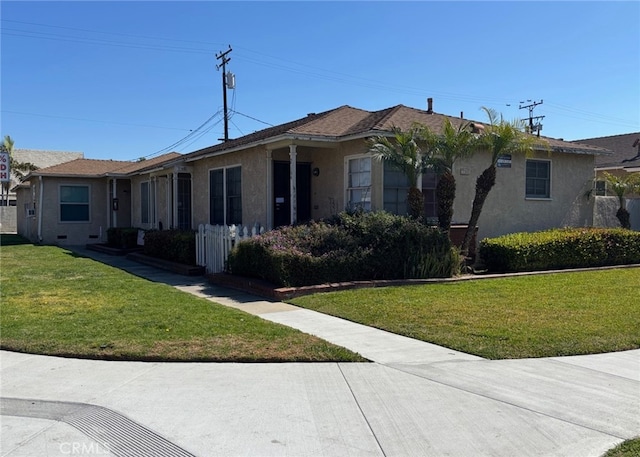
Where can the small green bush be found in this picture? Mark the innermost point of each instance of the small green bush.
(348, 247)
(560, 249)
(174, 245)
(122, 238)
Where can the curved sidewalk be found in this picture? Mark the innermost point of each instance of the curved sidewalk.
(416, 399)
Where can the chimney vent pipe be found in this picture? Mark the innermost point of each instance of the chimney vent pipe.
(430, 105)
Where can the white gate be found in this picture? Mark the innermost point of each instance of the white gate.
(214, 242)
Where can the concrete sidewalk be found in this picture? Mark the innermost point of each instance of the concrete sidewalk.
(417, 399)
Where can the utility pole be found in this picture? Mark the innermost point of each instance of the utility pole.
(538, 126)
(222, 56)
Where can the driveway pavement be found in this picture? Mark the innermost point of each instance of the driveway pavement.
(416, 399)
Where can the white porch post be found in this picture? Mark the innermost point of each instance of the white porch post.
(293, 193)
(269, 189)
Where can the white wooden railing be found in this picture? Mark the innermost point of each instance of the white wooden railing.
(214, 243)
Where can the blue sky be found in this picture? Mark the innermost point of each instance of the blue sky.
(123, 80)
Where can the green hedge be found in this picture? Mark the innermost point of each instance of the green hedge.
(560, 248)
(122, 238)
(348, 247)
(174, 245)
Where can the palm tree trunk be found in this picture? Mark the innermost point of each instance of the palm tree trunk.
(484, 184)
(445, 195)
(415, 201)
(624, 217)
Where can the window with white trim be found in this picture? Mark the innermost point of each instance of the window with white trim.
(359, 183)
(538, 179)
(225, 196)
(74, 203)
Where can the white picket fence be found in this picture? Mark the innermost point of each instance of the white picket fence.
(214, 243)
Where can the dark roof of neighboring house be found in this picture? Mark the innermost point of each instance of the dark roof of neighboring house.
(345, 121)
(92, 168)
(624, 153)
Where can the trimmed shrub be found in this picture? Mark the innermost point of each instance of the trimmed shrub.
(349, 247)
(560, 249)
(122, 238)
(174, 245)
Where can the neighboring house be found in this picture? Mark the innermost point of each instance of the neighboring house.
(625, 158)
(74, 203)
(316, 166)
(39, 158)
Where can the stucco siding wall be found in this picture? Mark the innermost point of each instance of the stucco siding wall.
(507, 210)
(56, 232)
(253, 163)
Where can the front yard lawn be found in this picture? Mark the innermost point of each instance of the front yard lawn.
(517, 317)
(56, 303)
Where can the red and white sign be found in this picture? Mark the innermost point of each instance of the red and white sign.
(5, 172)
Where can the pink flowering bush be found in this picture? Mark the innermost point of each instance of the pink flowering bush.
(348, 247)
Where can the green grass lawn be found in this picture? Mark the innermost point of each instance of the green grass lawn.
(56, 303)
(516, 317)
(629, 448)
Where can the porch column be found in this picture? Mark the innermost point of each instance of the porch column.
(269, 189)
(293, 193)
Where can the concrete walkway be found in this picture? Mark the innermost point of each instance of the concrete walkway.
(417, 399)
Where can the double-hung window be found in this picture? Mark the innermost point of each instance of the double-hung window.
(396, 188)
(225, 196)
(74, 203)
(359, 183)
(538, 179)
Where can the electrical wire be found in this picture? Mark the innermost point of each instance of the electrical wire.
(269, 61)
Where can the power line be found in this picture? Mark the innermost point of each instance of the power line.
(289, 66)
(252, 118)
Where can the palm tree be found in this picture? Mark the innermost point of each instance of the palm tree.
(454, 143)
(499, 137)
(410, 153)
(19, 169)
(621, 186)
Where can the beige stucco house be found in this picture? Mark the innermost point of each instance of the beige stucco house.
(316, 166)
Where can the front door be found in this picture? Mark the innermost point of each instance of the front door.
(282, 193)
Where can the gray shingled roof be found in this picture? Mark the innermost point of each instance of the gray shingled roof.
(624, 154)
(42, 158)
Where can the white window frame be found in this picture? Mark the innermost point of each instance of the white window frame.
(87, 204)
(366, 190)
(534, 197)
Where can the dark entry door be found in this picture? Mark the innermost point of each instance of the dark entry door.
(281, 193)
